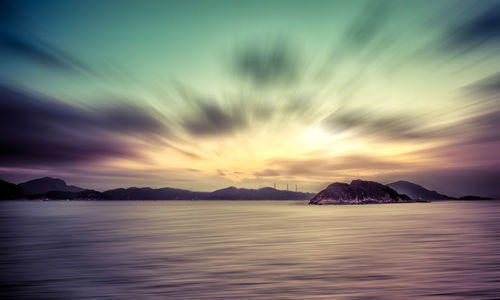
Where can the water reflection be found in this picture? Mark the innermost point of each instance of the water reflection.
(250, 250)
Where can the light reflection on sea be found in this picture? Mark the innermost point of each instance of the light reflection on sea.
(249, 250)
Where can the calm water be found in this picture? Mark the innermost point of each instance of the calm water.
(249, 250)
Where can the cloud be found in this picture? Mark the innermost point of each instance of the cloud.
(481, 29)
(476, 125)
(483, 122)
(39, 130)
(210, 119)
(207, 116)
(17, 39)
(365, 123)
(185, 152)
(489, 85)
(325, 167)
(129, 118)
(368, 25)
(482, 128)
(268, 63)
(40, 52)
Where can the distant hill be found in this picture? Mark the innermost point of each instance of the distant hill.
(9, 191)
(57, 189)
(47, 184)
(417, 192)
(358, 192)
(83, 195)
(267, 193)
(147, 193)
(230, 193)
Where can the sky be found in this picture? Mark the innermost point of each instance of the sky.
(206, 94)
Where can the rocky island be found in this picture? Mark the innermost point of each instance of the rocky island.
(358, 192)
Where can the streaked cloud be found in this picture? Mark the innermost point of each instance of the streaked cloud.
(209, 119)
(267, 62)
(33, 49)
(326, 166)
(254, 93)
(39, 130)
(480, 29)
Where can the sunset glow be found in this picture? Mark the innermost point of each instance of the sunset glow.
(207, 94)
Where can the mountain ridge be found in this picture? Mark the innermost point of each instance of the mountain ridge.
(10, 191)
(47, 184)
(417, 192)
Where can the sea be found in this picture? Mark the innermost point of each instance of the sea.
(248, 250)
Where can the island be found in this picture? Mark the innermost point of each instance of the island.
(358, 192)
